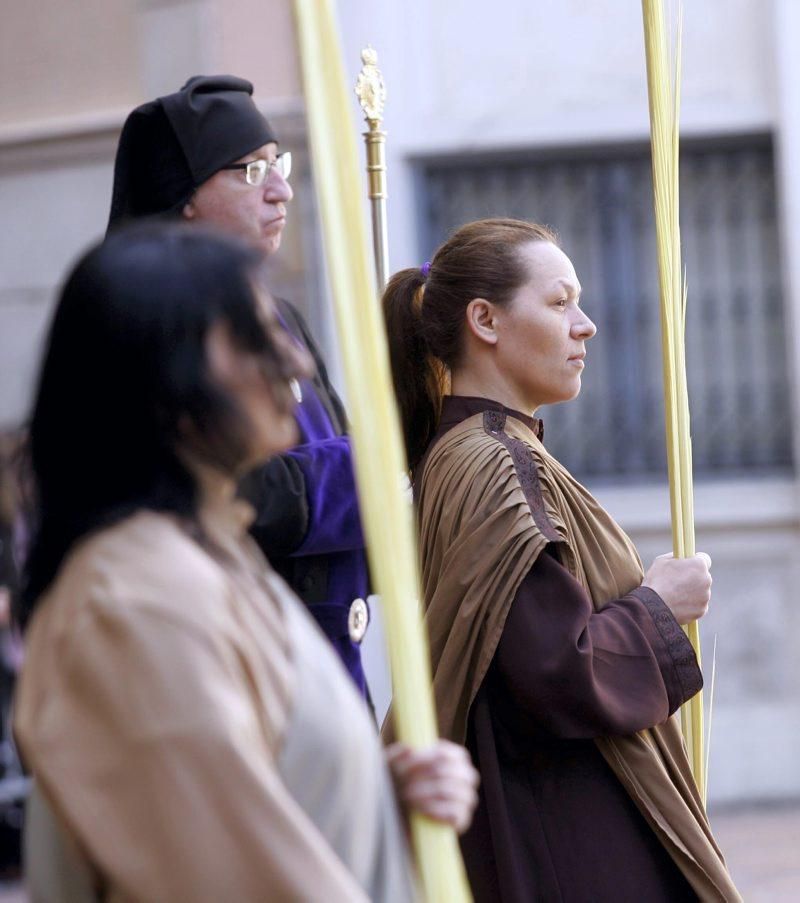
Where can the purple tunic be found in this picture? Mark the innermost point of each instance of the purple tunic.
(307, 517)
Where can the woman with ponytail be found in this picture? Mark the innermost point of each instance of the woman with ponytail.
(556, 659)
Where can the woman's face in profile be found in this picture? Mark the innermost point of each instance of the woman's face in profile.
(543, 331)
(265, 398)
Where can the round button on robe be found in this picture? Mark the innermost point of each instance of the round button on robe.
(357, 620)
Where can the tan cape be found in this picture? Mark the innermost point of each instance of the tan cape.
(479, 536)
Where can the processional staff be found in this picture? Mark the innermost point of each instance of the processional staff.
(371, 93)
(378, 450)
(663, 85)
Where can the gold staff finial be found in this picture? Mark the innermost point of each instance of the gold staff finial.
(370, 88)
(371, 93)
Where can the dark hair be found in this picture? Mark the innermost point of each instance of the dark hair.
(11, 462)
(424, 314)
(10, 506)
(125, 373)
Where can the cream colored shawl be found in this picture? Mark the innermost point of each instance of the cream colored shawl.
(480, 535)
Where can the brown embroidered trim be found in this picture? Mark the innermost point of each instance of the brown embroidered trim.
(680, 649)
(494, 423)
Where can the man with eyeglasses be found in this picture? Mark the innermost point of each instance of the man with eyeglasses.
(208, 155)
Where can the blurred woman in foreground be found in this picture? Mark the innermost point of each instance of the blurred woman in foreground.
(178, 708)
(556, 659)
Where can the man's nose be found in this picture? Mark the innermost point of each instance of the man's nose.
(277, 190)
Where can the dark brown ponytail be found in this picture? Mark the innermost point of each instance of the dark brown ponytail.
(424, 314)
(417, 374)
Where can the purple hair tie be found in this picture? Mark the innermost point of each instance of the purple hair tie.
(425, 269)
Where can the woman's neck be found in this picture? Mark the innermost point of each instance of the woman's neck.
(493, 387)
(216, 489)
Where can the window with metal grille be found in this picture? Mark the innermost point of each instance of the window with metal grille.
(600, 203)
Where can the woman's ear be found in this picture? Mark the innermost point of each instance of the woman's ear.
(481, 320)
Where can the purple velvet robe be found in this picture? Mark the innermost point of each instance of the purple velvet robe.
(307, 518)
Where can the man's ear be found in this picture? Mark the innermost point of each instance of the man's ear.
(481, 320)
(188, 211)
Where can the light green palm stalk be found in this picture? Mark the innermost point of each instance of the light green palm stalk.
(663, 85)
(378, 449)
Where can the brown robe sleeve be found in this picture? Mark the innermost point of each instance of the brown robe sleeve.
(579, 673)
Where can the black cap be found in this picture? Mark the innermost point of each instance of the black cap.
(171, 145)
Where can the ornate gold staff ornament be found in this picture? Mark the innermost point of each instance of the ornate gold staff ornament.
(371, 94)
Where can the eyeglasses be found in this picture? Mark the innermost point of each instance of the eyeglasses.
(256, 172)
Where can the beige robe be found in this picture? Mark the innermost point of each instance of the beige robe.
(183, 718)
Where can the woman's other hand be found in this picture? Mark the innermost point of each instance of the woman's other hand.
(683, 583)
(438, 781)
